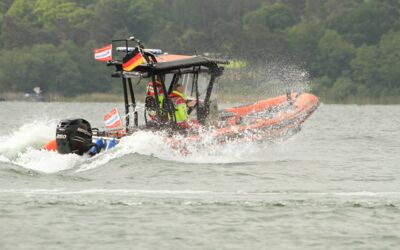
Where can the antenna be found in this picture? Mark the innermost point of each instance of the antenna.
(131, 38)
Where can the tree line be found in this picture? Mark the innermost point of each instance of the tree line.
(350, 48)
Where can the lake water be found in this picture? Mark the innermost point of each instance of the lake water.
(334, 185)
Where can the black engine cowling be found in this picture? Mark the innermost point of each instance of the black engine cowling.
(74, 136)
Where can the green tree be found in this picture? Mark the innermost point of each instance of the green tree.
(334, 55)
(389, 61)
(365, 69)
(270, 17)
(3, 10)
(20, 26)
(64, 19)
(42, 65)
(365, 22)
(343, 88)
(376, 67)
(303, 39)
(125, 17)
(321, 86)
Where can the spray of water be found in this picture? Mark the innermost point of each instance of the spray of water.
(272, 78)
(142, 142)
(48, 162)
(28, 153)
(23, 147)
(31, 135)
(277, 77)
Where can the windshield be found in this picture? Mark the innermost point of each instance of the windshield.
(190, 88)
(168, 80)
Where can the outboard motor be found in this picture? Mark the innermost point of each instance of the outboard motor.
(74, 136)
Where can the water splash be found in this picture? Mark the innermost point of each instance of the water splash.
(142, 142)
(277, 77)
(272, 78)
(207, 150)
(31, 135)
(24, 148)
(48, 162)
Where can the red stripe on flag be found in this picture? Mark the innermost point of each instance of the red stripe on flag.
(112, 119)
(103, 54)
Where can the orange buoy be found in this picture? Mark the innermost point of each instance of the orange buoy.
(51, 145)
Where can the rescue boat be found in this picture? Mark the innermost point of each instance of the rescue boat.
(268, 119)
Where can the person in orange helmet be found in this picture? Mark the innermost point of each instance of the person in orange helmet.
(150, 99)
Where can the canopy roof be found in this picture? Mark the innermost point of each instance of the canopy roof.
(169, 62)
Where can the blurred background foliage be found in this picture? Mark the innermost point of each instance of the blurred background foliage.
(350, 48)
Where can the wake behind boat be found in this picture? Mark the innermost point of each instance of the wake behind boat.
(181, 99)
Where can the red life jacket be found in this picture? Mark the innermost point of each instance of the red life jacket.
(181, 114)
(150, 89)
(151, 112)
(176, 98)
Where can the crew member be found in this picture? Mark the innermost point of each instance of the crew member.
(181, 109)
(150, 99)
(100, 144)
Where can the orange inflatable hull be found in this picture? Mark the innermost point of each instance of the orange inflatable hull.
(51, 145)
(267, 119)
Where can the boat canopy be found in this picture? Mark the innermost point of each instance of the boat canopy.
(170, 62)
(197, 73)
(177, 62)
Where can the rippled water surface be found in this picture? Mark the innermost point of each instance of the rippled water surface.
(335, 185)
